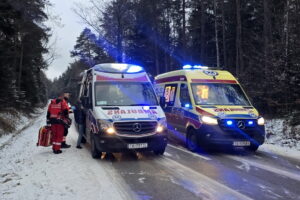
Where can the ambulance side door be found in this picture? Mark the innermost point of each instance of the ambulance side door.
(170, 91)
(85, 95)
(185, 107)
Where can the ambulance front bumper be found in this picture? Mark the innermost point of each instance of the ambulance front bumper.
(115, 143)
(231, 136)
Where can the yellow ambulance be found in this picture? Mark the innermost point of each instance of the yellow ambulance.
(207, 108)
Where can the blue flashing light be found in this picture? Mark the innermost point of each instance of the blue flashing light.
(187, 67)
(197, 67)
(229, 122)
(194, 67)
(134, 69)
(250, 123)
(187, 105)
(146, 108)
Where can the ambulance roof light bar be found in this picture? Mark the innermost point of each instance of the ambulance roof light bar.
(118, 68)
(195, 67)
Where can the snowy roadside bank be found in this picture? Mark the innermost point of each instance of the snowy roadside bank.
(280, 133)
(31, 172)
(18, 121)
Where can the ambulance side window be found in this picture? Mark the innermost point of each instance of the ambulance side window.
(85, 89)
(170, 94)
(90, 94)
(184, 95)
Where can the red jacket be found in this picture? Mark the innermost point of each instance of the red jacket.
(57, 110)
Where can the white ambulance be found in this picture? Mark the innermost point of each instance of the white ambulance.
(122, 111)
(208, 108)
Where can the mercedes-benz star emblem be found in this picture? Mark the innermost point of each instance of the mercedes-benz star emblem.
(137, 127)
(241, 124)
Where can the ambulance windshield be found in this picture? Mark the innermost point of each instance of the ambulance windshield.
(124, 94)
(219, 94)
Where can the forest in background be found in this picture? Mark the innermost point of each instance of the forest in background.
(23, 42)
(256, 40)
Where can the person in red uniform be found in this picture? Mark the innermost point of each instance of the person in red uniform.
(57, 111)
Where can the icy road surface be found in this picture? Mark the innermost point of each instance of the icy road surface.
(30, 172)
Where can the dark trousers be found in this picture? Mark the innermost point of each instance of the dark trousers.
(66, 131)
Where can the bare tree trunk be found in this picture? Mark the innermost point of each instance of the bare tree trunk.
(184, 30)
(286, 47)
(20, 65)
(216, 33)
(267, 39)
(224, 35)
(239, 51)
(286, 32)
(202, 34)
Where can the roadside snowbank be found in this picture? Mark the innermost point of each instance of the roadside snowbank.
(31, 172)
(283, 151)
(13, 122)
(280, 133)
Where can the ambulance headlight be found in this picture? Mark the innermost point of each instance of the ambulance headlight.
(161, 126)
(106, 126)
(110, 131)
(261, 121)
(209, 120)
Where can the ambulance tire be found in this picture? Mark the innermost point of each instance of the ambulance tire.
(159, 152)
(192, 140)
(94, 151)
(252, 148)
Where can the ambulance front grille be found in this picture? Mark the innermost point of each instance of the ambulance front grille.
(135, 128)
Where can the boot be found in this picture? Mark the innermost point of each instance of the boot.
(78, 147)
(57, 151)
(65, 145)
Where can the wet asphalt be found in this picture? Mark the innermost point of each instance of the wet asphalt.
(180, 174)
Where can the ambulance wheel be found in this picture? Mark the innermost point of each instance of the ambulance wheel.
(94, 151)
(192, 140)
(253, 147)
(159, 152)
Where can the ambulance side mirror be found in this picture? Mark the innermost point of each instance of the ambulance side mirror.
(162, 102)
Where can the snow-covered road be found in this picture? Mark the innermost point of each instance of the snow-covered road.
(30, 172)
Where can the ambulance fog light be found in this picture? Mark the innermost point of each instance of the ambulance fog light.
(209, 120)
(250, 123)
(110, 131)
(261, 121)
(229, 122)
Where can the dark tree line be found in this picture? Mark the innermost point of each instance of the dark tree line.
(256, 40)
(23, 39)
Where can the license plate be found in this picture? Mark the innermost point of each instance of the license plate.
(241, 143)
(137, 146)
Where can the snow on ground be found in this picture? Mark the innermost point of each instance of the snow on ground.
(18, 121)
(283, 151)
(31, 172)
(281, 134)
